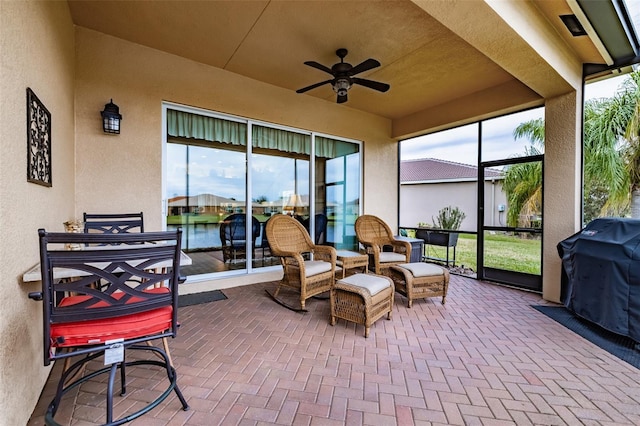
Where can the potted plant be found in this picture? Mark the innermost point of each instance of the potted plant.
(449, 219)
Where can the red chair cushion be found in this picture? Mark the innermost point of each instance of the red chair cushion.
(94, 332)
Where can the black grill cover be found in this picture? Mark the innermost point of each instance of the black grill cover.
(601, 274)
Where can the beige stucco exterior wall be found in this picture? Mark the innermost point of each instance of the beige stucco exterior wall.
(37, 51)
(422, 202)
(562, 184)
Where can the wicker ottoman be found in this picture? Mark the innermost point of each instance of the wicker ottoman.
(420, 280)
(362, 298)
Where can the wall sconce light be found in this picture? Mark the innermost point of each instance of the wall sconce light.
(111, 118)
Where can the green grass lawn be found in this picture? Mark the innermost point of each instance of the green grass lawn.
(508, 252)
(204, 219)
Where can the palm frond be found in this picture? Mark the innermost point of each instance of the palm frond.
(532, 130)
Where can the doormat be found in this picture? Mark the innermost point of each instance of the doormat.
(199, 298)
(620, 346)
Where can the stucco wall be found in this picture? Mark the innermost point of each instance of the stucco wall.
(37, 52)
(421, 203)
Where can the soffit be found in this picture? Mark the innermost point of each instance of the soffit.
(425, 62)
(582, 45)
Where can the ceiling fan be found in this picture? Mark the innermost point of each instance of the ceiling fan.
(343, 76)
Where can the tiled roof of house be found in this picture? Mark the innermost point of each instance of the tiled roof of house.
(431, 169)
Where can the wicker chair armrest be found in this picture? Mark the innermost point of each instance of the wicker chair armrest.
(292, 258)
(375, 247)
(401, 246)
(326, 253)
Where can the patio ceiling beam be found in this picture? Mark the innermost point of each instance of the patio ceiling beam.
(502, 99)
(517, 37)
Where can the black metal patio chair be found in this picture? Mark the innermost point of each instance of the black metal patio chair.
(122, 293)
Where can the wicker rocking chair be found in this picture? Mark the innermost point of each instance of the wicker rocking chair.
(308, 268)
(383, 248)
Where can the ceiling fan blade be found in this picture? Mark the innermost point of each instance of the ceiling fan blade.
(313, 86)
(375, 85)
(318, 66)
(364, 66)
(342, 99)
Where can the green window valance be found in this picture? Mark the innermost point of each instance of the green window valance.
(183, 124)
(192, 126)
(281, 140)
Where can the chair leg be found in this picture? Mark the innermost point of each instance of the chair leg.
(171, 374)
(64, 386)
(275, 293)
(112, 376)
(123, 379)
(165, 344)
(65, 367)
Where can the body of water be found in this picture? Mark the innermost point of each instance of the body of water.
(207, 236)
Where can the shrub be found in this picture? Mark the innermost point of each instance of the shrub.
(449, 218)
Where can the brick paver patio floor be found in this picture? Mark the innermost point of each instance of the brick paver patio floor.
(484, 358)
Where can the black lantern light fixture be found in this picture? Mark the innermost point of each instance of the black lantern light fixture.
(111, 118)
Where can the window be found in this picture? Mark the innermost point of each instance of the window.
(215, 170)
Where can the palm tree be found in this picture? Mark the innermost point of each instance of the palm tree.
(612, 146)
(523, 182)
(611, 157)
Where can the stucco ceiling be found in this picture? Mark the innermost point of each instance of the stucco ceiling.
(427, 61)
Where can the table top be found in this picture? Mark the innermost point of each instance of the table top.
(34, 273)
(348, 253)
(408, 239)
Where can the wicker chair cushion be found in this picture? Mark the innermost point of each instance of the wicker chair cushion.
(315, 267)
(389, 256)
(423, 269)
(372, 283)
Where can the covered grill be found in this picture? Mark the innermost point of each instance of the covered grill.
(601, 274)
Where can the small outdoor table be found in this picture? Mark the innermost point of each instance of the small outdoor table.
(352, 259)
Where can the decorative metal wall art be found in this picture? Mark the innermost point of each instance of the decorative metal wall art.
(38, 141)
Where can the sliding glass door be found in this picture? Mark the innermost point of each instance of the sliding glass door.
(222, 190)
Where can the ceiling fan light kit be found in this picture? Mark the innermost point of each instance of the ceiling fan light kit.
(343, 73)
(341, 86)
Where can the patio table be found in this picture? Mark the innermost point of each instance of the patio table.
(351, 259)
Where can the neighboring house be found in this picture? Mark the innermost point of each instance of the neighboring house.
(202, 204)
(209, 204)
(427, 185)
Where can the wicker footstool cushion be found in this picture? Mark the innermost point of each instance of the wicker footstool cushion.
(362, 298)
(420, 280)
